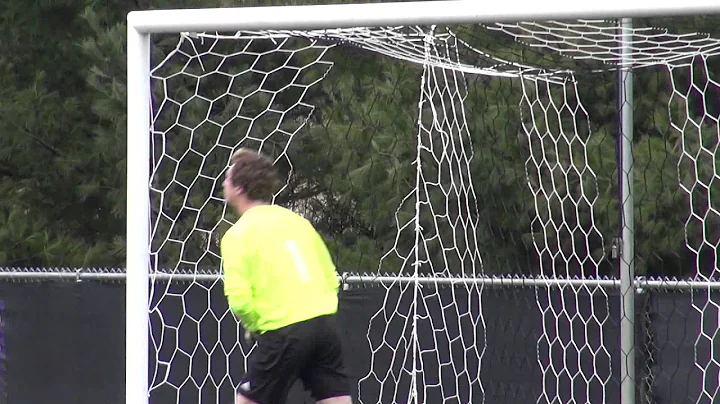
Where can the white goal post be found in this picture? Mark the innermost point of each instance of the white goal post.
(142, 24)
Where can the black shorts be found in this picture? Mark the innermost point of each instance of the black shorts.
(309, 350)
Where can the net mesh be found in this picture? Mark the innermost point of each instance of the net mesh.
(601, 41)
(439, 152)
(698, 170)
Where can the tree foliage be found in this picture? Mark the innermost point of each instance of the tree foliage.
(348, 146)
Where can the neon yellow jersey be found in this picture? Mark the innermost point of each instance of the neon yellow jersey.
(277, 269)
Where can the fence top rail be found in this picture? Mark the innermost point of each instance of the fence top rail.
(350, 279)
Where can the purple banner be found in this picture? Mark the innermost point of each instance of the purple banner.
(3, 389)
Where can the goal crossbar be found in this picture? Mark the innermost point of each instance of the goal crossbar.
(400, 13)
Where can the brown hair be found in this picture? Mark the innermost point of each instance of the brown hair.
(255, 174)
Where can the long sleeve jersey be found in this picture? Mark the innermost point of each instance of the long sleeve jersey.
(277, 269)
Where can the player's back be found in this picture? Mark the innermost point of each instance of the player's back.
(289, 267)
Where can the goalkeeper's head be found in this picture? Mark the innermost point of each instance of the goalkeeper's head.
(251, 180)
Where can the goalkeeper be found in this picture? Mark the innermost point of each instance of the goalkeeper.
(281, 282)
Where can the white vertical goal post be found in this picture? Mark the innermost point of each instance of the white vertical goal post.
(141, 25)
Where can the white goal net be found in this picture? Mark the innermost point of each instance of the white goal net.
(440, 157)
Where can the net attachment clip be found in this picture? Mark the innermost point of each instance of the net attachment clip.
(616, 248)
(193, 35)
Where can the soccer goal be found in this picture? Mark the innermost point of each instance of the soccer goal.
(509, 177)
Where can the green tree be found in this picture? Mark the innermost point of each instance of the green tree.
(507, 172)
(51, 215)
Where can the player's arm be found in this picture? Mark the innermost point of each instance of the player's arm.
(237, 280)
